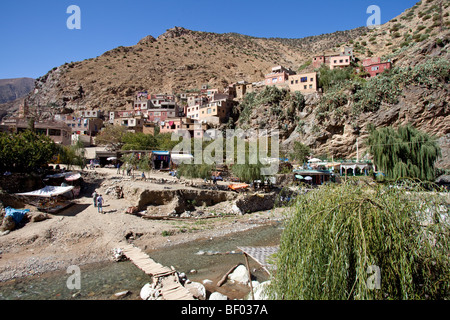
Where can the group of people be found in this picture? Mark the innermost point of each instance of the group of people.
(98, 201)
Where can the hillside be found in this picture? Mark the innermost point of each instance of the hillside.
(12, 89)
(177, 60)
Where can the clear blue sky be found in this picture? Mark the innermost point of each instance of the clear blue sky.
(35, 38)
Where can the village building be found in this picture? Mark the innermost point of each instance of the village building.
(156, 108)
(334, 60)
(58, 131)
(91, 114)
(305, 83)
(216, 111)
(132, 124)
(83, 129)
(279, 75)
(240, 89)
(339, 62)
(373, 66)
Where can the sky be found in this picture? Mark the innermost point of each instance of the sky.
(35, 37)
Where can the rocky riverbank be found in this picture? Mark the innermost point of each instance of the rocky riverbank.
(80, 235)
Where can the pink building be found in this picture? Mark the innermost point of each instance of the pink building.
(279, 75)
(374, 66)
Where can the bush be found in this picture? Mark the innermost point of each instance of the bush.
(25, 151)
(337, 236)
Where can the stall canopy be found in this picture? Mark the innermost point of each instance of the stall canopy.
(73, 177)
(47, 192)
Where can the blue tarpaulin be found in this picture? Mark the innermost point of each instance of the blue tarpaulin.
(16, 214)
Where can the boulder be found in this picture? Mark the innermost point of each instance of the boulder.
(149, 292)
(39, 216)
(196, 289)
(8, 224)
(217, 296)
(240, 275)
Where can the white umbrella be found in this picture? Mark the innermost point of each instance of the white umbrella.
(308, 178)
(315, 160)
(112, 158)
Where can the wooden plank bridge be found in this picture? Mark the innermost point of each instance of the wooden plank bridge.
(171, 289)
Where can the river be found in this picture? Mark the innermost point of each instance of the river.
(210, 259)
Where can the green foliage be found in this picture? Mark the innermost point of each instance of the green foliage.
(270, 96)
(72, 155)
(305, 65)
(332, 78)
(334, 234)
(331, 101)
(300, 152)
(164, 141)
(388, 86)
(406, 152)
(25, 151)
(193, 171)
(111, 137)
(138, 141)
(248, 172)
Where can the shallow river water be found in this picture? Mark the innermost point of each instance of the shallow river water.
(102, 281)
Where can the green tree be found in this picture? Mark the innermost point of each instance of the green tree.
(111, 137)
(73, 155)
(138, 141)
(25, 151)
(330, 78)
(405, 152)
(164, 142)
(337, 236)
(193, 171)
(300, 152)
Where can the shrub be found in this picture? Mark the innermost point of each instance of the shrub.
(335, 235)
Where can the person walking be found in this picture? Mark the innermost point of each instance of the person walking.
(94, 197)
(118, 168)
(100, 203)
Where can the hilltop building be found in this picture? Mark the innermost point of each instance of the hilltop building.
(279, 75)
(305, 83)
(374, 66)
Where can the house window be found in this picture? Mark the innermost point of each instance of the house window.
(304, 79)
(310, 86)
(312, 79)
(292, 81)
(296, 81)
(305, 87)
(340, 61)
(375, 68)
(346, 60)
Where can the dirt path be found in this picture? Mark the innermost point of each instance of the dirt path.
(80, 235)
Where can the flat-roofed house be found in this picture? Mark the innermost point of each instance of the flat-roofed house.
(305, 83)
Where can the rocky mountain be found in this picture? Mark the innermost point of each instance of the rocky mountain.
(12, 89)
(182, 60)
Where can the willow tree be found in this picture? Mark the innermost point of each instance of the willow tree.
(362, 242)
(405, 152)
